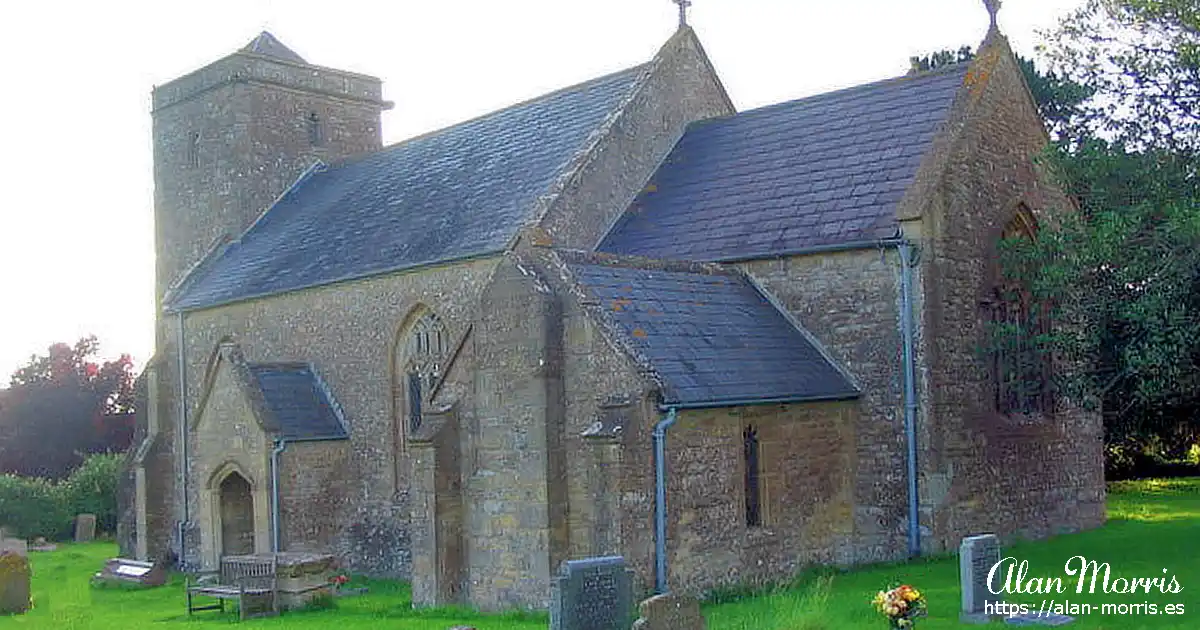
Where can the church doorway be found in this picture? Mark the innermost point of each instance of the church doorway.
(237, 516)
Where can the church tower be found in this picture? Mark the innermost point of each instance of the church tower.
(228, 138)
(232, 136)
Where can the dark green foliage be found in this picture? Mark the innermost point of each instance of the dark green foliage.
(92, 488)
(32, 506)
(940, 59)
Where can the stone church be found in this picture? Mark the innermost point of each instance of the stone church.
(467, 357)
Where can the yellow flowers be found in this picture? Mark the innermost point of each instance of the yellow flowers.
(901, 605)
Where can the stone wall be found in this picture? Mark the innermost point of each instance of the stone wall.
(313, 492)
(228, 438)
(681, 87)
(248, 114)
(808, 476)
(849, 301)
(348, 331)
(982, 470)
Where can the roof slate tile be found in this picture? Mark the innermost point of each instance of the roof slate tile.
(782, 169)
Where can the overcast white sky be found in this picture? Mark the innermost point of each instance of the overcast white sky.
(76, 233)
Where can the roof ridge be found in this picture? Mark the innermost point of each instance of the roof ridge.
(353, 159)
(864, 87)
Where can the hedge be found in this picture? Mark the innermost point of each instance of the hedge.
(32, 507)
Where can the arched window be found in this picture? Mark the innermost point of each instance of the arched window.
(418, 363)
(1021, 370)
(316, 134)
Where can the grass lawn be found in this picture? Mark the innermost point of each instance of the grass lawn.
(1153, 525)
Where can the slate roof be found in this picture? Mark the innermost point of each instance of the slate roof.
(459, 192)
(712, 338)
(267, 44)
(823, 170)
(298, 401)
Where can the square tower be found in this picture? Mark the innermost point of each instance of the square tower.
(232, 136)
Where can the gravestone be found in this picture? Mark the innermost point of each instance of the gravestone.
(132, 572)
(85, 528)
(14, 583)
(669, 612)
(976, 557)
(592, 594)
(14, 545)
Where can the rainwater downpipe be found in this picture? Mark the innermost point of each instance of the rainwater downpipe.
(660, 501)
(280, 445)
(905, 249)
(181, 367)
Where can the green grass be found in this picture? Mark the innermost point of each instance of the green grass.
(1153, 525)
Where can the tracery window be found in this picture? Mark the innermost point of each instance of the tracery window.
(420, 358)
(1021, 370)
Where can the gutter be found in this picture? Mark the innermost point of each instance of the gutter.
(181, 366)
(660, 501)
(818, 249)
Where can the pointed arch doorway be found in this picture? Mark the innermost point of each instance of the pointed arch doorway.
(236, 505)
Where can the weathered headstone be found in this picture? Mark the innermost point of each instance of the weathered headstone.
(976, 557)
(85, 528)
(14, 583)
(669, 612)
(592, 594)
(14, 545)
(133, 572)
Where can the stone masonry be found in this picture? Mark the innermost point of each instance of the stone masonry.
(533, 445)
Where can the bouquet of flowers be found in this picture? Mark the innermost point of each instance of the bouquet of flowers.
(901, 605)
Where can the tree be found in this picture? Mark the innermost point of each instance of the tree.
(1143, 59)
(58, 408)
(1121, 277)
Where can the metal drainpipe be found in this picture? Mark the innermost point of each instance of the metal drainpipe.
(660, 501)
(183, 436)
(280, 445)
(904, 248)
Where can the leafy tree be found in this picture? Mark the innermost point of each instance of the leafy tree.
(1143, 59)
(60, 406)
(1122, 278)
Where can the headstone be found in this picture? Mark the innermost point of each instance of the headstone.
(669, 612)
(132, 572)
(14, 545)
(85, 528)
(14, 583)
(976, 557)
(592, 594)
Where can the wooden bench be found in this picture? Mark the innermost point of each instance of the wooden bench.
(249, 580)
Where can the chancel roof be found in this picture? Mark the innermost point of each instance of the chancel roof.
(824, 170)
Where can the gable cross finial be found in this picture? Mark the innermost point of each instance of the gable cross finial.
(683, 7)
(993, 7)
